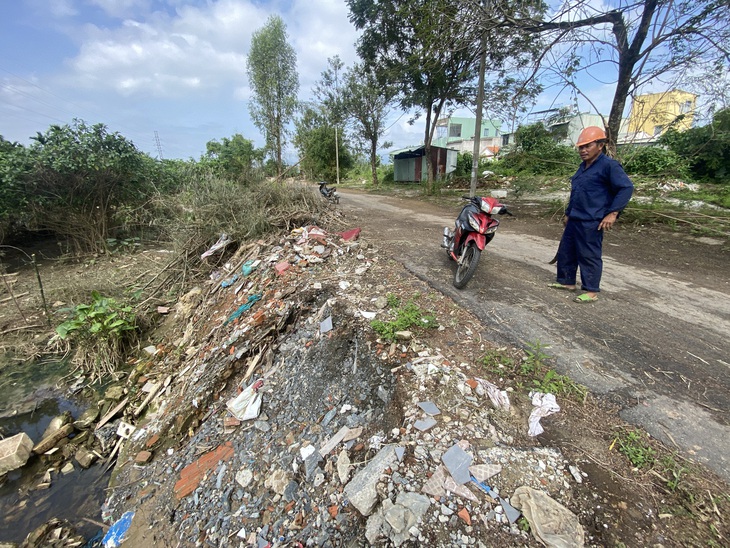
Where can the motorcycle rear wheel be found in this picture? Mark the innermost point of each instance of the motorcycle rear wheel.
(467, 266)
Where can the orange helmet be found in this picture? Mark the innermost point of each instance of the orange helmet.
(590, 134)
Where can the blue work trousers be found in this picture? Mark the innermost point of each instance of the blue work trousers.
(581, 246)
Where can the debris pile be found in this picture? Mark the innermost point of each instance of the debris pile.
(275, 417)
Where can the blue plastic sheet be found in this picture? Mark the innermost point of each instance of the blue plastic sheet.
(117, 532)
(243, 308)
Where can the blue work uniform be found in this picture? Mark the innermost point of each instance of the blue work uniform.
(596, 191)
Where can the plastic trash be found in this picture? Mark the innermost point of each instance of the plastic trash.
(222, 242)
(247, 405)
(551, 522)
(241, 309)
(545, 405)
(117, 532)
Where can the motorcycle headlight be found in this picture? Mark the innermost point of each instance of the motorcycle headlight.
(473, 222)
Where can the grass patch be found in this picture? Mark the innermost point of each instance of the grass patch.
(407, 317)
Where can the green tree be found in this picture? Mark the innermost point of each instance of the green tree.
(538, 153)
(706, 148)
(369, 105)
(416, 47)
(429, 50)
(315, 141)
(235, 158)
(84, 178)
(274, 83)
(328, 91)
(15, 168)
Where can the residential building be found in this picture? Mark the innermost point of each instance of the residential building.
(654, 113)
(458, 133)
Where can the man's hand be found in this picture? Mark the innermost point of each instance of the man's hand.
(608, 221)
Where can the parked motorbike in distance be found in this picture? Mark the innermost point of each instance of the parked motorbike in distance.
(474, 229)
(329, 193)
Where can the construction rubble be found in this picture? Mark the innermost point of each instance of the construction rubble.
(270, 414)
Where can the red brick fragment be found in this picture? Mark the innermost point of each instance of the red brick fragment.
(153, 440)
(464, 514)
(472, 384)
(192, 474)
(143, 457)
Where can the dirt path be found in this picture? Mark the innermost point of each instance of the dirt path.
(656, 342)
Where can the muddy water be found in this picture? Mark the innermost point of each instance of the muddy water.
(29, 400)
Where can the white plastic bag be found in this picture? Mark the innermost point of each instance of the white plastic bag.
(247, 404)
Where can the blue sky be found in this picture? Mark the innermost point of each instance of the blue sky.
(175, 67)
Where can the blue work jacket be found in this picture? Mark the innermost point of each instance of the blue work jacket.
(598, 190)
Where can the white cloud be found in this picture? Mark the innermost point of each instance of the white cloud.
(162, 55)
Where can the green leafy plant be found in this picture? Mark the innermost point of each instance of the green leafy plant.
(100, 333)
(674, 470)
(632, 445)
(116, 245)
(535, 358)
(408, 316)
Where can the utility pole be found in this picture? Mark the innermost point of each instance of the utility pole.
(159, 146)
(478, 129)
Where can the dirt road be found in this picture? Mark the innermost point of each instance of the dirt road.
(656, 342)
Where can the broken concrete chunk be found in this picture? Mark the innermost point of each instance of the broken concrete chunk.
(87, 418)
(343, 466)
(84, 457)
(361, 491)
(14, 452)
(277, 481)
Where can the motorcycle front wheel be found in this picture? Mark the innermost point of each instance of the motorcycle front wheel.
(467, 266)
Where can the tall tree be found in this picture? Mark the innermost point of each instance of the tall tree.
(328, 90)
(638, 42)
(274, 82)
(368, 103)
(415, 46)
(315, 141)
(429, 49)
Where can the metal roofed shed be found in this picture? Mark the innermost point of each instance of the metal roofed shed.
(409, 164)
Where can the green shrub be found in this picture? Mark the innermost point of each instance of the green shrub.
(537, 153)
(653, 161)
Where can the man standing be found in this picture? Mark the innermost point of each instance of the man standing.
(600, 190)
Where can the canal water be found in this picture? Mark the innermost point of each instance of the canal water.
(29, 399)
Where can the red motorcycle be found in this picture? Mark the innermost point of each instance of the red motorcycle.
(475, 228)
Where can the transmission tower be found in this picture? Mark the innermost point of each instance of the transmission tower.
(159, 146)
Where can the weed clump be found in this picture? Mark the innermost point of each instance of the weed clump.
(99, 334)
(408, 316)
